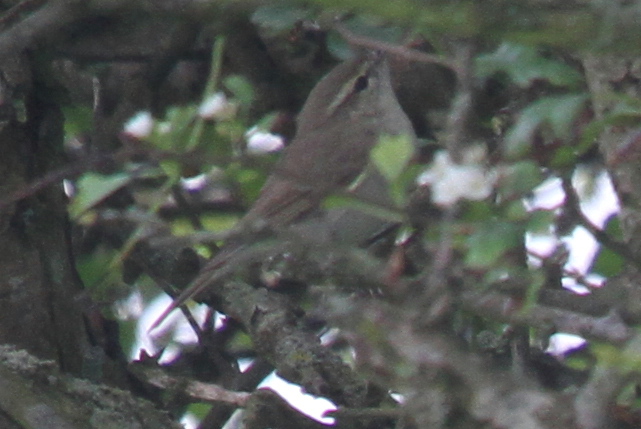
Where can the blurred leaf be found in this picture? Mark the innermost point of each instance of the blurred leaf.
(523, 64)
(537, 281)
(454, 18)
(171, 168)
(540, 221)
(338, 46)
(102, 278)
(519, 179)
(478, 211)
(199, 409)
(219, 222)
(128, 335)
(173, 133)
(78, 119)
(195, 134)
(391, 155)
(491, 241)
(613, 228)
(606, 354)
(366, 25)
(626, 111)
(181, 227)
(610, 355)
(93, 269)
(558, 112)
(268, 121)
(231, 131)
(498, 275)
(564, 156)
(516, 211)
(579, 361)
(405, 181)
(240, 341)
(215, 145)
(241, 88)
(250, 180)
(573, 28)
(279, 18)
(607, 262)
(93, 188)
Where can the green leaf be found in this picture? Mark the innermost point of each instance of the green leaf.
(579, 361)
(541, 221)
(171, 168)
(241, 88)
(606, 354)
(523, 64)
(519, 179)
(93, 188)
(626, 112)
(515, 211)
(250, 180)
(491, 241)
(365, 25)
(537, 280)
(174, 132)
(607, 262)
(78, 119)
(564, 156)
(476, 211)
(95, 268)
(557, 112)
(278, 18)
(391, 155)
(219, 222)
(199, 409)
(613, 228)
(127, 333)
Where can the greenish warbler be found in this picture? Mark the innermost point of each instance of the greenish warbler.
(341, 121)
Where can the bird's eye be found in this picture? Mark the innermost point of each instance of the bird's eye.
(361, 83)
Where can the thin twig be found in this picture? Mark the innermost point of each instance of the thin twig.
(577, 276)
(502, 307)
(353, 413)
(572, 203)
(199, 391)
(394, 49)
(66, 172)
(17, 9)
(461, 113)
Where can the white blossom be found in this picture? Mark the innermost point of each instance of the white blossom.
(562, 343)
(218, 107)
(260, 142)
(452, 182)
(140, 125)
(195, 183)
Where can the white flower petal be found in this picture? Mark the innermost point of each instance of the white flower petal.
(260, 142)
(140, 125)
(452, 182)
(217, 107)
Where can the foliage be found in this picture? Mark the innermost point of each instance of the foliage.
(452, 304)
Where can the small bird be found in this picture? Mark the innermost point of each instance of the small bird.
(342, 120)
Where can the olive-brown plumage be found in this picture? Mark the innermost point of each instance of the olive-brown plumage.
(341, 121)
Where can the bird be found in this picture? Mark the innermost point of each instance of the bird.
(342, 119)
